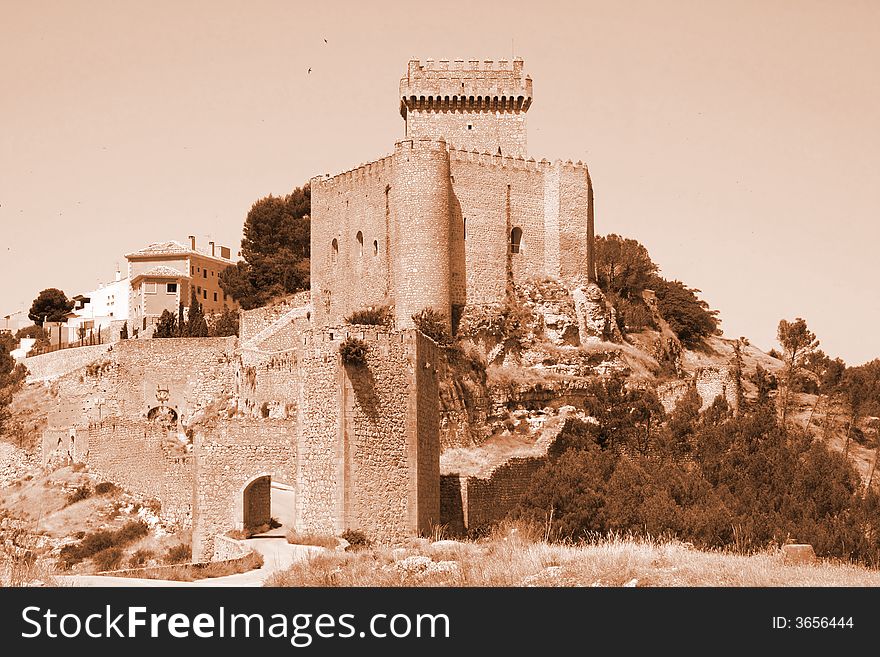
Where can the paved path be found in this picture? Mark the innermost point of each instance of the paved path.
(277, 553)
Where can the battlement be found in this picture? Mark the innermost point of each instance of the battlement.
(512, 162)
(376, 168)
(465, 85)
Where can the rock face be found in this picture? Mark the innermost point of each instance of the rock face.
(597, 319)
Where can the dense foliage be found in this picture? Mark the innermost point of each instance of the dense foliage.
(276, 250)
(625, 270)
(434, 324)
(380, 316)
(689, 317)
(51, 305)
(353, 352)
(712, 478)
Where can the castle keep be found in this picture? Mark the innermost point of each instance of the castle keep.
(454, 218)
(458, 211)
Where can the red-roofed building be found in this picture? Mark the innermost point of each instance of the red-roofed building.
(162, 275)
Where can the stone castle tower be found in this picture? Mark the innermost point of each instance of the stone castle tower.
(473, 104)
(456, 213)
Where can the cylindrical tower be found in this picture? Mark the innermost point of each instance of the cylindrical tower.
(420, 245)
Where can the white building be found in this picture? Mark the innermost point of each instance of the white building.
(99, 315)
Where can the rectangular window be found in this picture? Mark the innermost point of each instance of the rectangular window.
(198, 289)
(192, 270)
(215, 296)
(150, 288)
(206, 295)
(171, 288)
(205, 273)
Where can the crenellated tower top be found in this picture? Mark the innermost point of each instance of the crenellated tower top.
(472, 103)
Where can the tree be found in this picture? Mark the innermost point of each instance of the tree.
(166, 327)
(623, 266)
(797, 343)
(196, 326)
(39, 334)
(224, 324)
(275, 248)
(51, 305)
(688, 316)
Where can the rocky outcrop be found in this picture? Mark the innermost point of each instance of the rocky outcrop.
(596, 318)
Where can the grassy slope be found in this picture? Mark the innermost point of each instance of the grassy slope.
(515, 560)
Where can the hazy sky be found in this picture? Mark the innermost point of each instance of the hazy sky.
(739, 141)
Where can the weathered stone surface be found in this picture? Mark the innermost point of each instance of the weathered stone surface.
(597, 319)
(798, 554)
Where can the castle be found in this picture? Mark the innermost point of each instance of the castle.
(458, 211)
(453, 219)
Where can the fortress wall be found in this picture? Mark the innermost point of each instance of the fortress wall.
(64, 361)
(341, 206)
(575, 226)
(479, 204)
(369, 444)
(230, 455)
(130, 453)
(711, 382)
(195, 371)
(318, 444)
(472, 503)
(251, 322)
(487, 133)
(267, 385)
(425, 435)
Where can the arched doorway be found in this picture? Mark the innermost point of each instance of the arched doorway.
(257, 502)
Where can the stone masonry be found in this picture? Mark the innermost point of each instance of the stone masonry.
(455, 216)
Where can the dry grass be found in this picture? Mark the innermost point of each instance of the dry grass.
(321, 540)
(191, 572)
(516, 559)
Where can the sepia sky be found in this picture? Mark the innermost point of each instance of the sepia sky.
(739, 141)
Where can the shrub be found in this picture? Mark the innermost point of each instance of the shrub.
(353, 351)
(130, 532)
(108, 559)
(687, 315)
(106, 488)
(380, 316)
(357, 540)
(321, 540)
(178, 554)
(433, 324)
(140, 558)
(79, 494)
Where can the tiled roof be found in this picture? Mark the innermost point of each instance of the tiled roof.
(161, 271)
(163, 248)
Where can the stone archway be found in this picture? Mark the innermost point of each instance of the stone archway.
(256, 502)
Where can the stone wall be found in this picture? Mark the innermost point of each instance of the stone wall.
(230, 456)
(374, 466)
(55, 364)
(473, 503)
(133, 453)
(711, 382)
(195, 371)
(442, 221)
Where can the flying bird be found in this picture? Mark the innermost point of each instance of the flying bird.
(310, 70)
(325, 40)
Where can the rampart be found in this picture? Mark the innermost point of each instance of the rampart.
(436, 226)
(55, 364)
(235, 462)
(138, 455)
(470, 503)
(374, 466)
